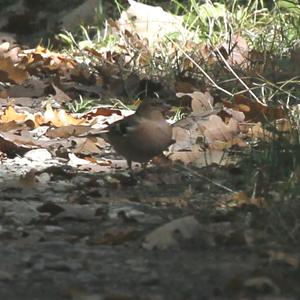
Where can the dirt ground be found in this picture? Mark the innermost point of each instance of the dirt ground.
(86, 236)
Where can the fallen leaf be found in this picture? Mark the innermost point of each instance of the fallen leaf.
(201, 102)
(114, 236)
(165, 236)
(11, 125)
(60, 96)
(60, 118)
(89, 146)
(216, 130)
(183, 139)
(75, 161)
(10, 73)
(255, 111)
(261, 284)
(284, 257)
(67, 131)
(13, 144)
(11, 115)
(150, 22)
(32, 88)
(236, 51)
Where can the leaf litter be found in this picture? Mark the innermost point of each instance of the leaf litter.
(69, 206)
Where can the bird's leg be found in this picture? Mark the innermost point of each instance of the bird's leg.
(144, 165)
(129, 164)
(131, 173)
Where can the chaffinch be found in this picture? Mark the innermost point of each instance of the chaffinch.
(143, 135)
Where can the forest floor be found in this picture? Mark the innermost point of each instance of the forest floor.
(76, 227)
(82, 236)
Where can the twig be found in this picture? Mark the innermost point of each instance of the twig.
(200, 68)
(196, 174)
(238, 78)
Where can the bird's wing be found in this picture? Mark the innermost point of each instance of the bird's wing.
(124, 126)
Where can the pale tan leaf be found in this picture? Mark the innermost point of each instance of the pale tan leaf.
(216, 129)
(150, 22)
(165, 236)
(201, 102)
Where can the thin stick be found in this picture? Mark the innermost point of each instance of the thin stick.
(201, 69)
(196, 174)
(238, 78)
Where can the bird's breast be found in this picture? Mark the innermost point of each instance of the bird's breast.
(143, 142)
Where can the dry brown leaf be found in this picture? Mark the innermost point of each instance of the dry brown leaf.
(60, 96)
(280, 256)
(31, 88)
(87, 146)
(20, 101)
(11, 73)
(216, 130)
(39, 119)
(258, 132)
(255, 111)
(23, 140)
(102, 111)
(206, 128)
(60, 118)
(183, 139)
(200, 158)
(82, 73)
(114, 236)
(67, 131)
(186, 156)
(31, 121)
(11, 125)
(9, 49)
(11, 115)
(240, 198)
(41, 58)
(12, 144)
(201, 102)
(236, 51)
(67, 119)
(237, 115)
(223, 145)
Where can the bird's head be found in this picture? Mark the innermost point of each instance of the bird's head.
(152, 109)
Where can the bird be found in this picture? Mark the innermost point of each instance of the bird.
(143, 135)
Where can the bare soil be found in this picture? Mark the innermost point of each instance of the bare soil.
(77, 235)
